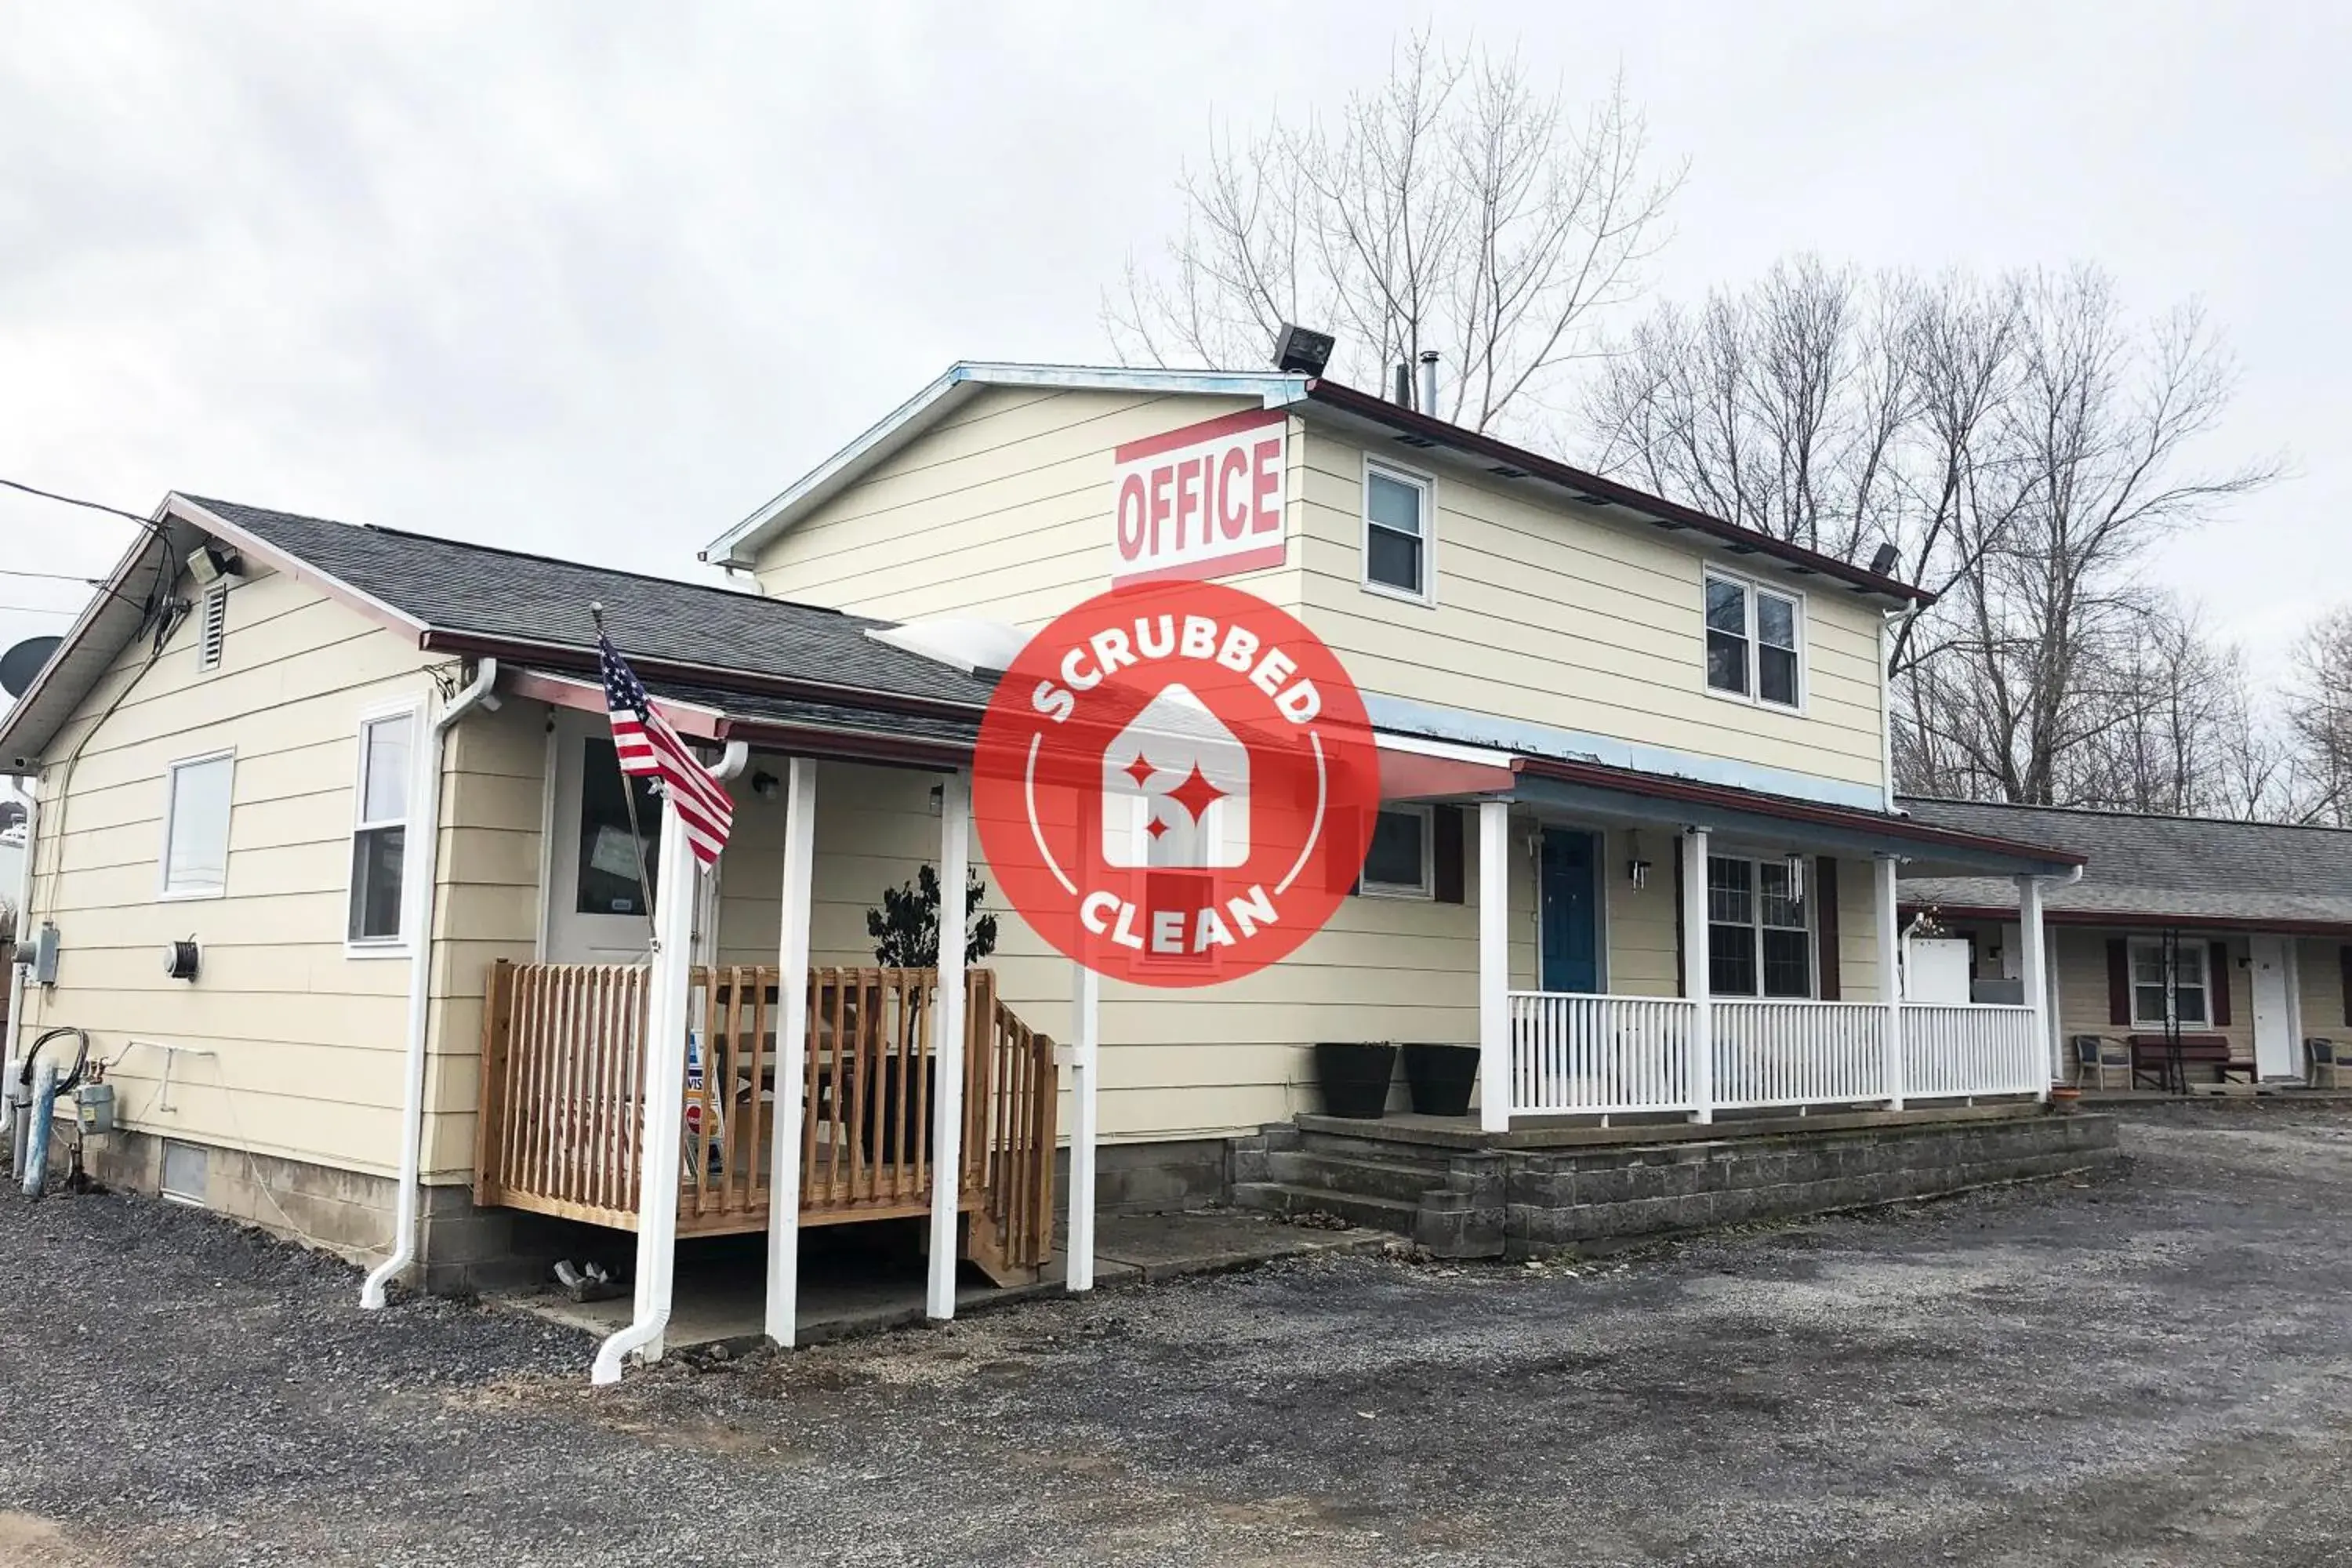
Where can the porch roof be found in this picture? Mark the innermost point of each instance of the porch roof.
(2157, 870)
(1599, 793)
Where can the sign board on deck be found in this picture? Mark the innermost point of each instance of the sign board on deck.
(1202, 501)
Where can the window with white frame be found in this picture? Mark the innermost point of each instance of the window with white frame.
(380, 836)
(1758, 932)
(1754, 638)
(195, 827)
(2185, 981)
(1401, 862)
(1396, 531)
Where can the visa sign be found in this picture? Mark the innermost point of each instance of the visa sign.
(1202, 502)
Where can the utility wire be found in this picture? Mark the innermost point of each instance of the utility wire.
(167, 571)
(146, 522)
(38, 610)
(54, 576)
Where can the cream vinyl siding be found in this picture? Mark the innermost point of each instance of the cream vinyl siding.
(1004, 512)
(2320, 991)
(292, 1047)
(1560, 615)
(2082, 986)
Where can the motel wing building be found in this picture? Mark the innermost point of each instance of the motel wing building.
(1637, 843)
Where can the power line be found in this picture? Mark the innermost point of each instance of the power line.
(38, 610)
(53, 576)
(146, 522)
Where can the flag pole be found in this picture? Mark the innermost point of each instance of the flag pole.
(636, 833)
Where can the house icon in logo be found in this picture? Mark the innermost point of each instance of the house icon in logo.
(1175, 788)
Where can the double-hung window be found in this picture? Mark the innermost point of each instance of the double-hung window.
(195, 827)
(1401, 862)
(380, 834)
(1754, 638)
(1758, 936)
(1396, 531)
(2186, 981)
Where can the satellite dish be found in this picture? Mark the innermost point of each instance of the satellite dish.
(20, 664)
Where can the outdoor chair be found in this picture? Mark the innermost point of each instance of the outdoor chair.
(2096, 1056)
(2322, 1063)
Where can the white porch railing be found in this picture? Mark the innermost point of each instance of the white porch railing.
(1799, 1053)
(1953, 1051)
(1600, 1055)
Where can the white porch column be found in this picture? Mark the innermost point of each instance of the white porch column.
(1699, 1070)
(1890, 974)
(1085, 1032)
(664, 1136)
(791, 1051)
(1494, 1086)
(947, 1043)
(2032, 973)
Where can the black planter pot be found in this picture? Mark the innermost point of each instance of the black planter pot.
(1439, 1078)
(1354, 1076)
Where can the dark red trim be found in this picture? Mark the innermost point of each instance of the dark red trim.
(2217, 982)
(1828, 960)
(1193, 435)
(2119, 996)
(2134, 922)
(570, 656)
(1600, 777)
(1553, 471)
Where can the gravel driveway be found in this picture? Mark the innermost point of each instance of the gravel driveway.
(2154, 1369)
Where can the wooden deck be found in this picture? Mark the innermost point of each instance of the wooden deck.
(562, 1108)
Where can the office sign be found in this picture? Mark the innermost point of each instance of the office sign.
(1202, 501)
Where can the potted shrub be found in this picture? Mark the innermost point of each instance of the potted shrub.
(1354, 1076)
(2065, 1099)
(906, 933)
(1439, 1078)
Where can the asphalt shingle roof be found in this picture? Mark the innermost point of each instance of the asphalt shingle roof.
(481, 589)
(2187, 866)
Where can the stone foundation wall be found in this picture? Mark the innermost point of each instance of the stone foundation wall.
(1145, 1178)
(1562, 1198)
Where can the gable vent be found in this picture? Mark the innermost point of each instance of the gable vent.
(212, 626)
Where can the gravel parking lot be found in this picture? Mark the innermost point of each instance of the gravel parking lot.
(2153, 1369)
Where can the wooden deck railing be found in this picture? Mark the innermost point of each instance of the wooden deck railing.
(562, 1108)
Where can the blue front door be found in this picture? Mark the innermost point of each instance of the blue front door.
(1569, 890)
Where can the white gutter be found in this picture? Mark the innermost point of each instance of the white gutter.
(416, 920)
(664, 1138)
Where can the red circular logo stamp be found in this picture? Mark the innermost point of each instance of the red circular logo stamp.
(1175, 784)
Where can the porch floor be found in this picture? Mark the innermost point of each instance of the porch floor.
(849, 1289)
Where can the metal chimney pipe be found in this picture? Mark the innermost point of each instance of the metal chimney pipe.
(1402, 394)
(1429, 383)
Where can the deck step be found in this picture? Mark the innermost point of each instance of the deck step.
(1403, 1180)
(1295, 1198)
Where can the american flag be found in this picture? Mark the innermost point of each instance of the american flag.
(649, 748)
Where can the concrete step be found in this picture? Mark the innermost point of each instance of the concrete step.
(1403, 1180)
(1327, 1143)
(1293, 1198)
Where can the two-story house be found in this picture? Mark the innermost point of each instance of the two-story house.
(1637, 844)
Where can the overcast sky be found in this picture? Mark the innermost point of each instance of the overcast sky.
(596, 279)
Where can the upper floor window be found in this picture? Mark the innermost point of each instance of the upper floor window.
(1753, 638)
(380, 834)
(195, 827)
(1396, 531)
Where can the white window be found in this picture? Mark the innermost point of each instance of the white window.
(380, 838)
(1754, 638)
(211, 627)
(195, 827)
(1401, 862)
(1759, 934)
(1396, 531)
(2185, 984)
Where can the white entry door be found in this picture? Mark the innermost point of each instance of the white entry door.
(597, 912)
(2275, 1051)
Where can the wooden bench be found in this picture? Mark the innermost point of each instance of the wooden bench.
(2152, 1058)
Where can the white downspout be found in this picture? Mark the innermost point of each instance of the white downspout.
(24, 935)
(416, 920)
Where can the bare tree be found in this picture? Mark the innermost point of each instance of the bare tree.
(1460, 207)
(2319, 705)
